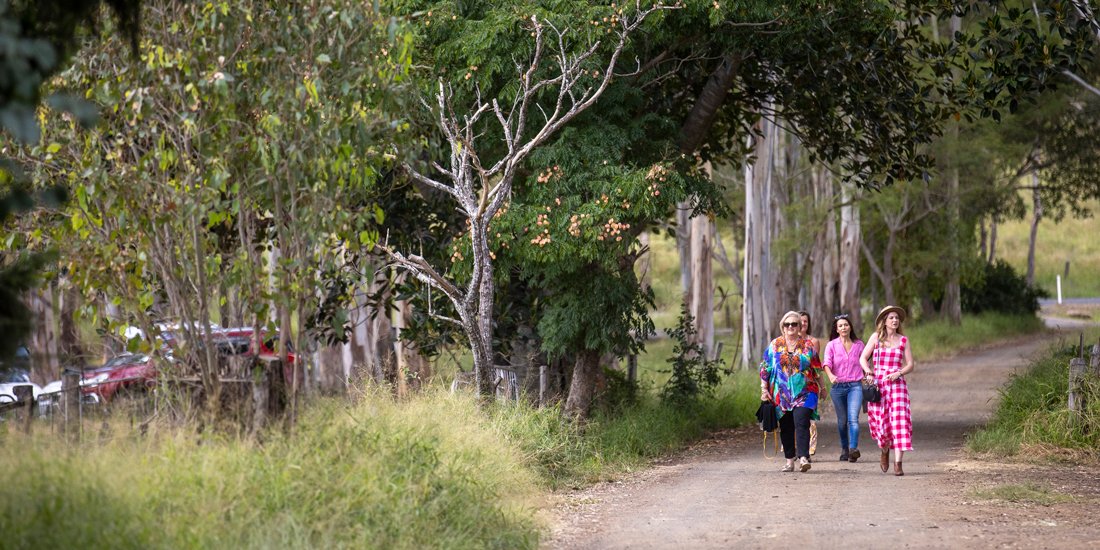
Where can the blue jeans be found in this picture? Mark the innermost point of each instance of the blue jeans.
(847, 399)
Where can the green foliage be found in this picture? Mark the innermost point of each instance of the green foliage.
(692, 374)
(238, 165)
(37, 38)
(1002, 290)
(1033, 411)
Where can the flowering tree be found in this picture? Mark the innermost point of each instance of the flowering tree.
(560, 83)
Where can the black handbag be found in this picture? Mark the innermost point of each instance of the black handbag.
(871, 393)
(766, 417)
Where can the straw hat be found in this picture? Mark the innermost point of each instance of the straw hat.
(886, 311)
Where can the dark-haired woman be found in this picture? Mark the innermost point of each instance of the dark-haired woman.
(841, 362)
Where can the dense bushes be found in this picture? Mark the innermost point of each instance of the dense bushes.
(1001, 289)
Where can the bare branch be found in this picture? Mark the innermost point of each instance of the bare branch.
(1081, 81)
(424, 272)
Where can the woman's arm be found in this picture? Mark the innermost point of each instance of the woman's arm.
(865, 357)
(907, 364)
(827, 359)
(765, 376)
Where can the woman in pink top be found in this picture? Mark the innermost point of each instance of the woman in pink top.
(841, 362)
(890, 419)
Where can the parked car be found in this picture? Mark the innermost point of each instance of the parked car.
(128, 371)
(16, 372)
(134, 371)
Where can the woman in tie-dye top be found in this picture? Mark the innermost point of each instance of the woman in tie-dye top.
(789, 380)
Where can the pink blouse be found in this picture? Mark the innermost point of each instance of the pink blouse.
(844, 364)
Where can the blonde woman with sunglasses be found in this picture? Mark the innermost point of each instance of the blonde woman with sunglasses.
(788, 380)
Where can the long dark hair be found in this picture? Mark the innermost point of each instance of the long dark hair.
(834, 334)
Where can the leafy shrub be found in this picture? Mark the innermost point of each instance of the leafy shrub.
(1003, 290)
(692, 374)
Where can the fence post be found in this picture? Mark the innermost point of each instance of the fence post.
(1076, 373)
(544, 384)
(1094, 360)
(70, 403)
(632, 367)
(24, 394)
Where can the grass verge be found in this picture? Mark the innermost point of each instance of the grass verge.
(433, 471)
(1032, 416)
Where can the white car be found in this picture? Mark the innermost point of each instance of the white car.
(12, 377)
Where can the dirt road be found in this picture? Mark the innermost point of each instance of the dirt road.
(724, 494)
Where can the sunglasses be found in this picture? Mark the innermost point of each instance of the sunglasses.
(792, 325)
(841, 316)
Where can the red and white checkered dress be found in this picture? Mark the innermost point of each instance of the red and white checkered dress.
(890, 419)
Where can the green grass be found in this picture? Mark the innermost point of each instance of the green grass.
(1028, 493)
(425, 473)
(1032, 414)
(1071, 240)
(939, 339)
(430, 471)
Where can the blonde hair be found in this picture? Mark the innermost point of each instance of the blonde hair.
(880, 326)
(797, 316)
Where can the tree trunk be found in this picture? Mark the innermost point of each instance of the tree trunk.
(992, 240)
(760, 296)
(850, 239)
(952, 299)
(1037, 216)
(582, 390)
(825, 256)
(683, 247)
(414, 366)
(70, 350)
(702, 281)
(43, 336)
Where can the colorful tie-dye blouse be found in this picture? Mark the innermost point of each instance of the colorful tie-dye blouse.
(789, 375)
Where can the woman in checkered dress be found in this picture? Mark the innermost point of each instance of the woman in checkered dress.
(888, 358)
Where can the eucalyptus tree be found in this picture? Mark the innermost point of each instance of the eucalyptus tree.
(236, 167)
(39, 38)
(553, 82)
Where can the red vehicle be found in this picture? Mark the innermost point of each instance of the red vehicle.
(138, 371)
(129, 371)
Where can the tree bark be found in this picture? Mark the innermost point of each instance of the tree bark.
(760, 296)
(582, 390)
(43, 336)
(825, 255)
(1036, 217)
(70, 349)
(702, 281)
(850, 244)
(992, 240)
